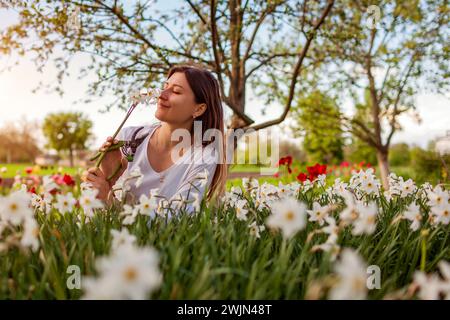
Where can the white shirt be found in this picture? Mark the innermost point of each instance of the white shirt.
(175, 180)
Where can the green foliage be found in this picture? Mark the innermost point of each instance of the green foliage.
(429, 165)
(318, 119)
(359, 151)
(67, 131)
(128, 51)
(13, 169)
(384, 65)
(399, 155)
(18, 141)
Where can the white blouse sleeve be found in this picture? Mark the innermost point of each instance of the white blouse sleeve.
(125, 133)
(196, 186)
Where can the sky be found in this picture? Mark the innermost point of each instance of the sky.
(17, 101)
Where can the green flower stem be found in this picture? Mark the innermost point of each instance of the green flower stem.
(423, 257)
(103, 153)
(114, 172)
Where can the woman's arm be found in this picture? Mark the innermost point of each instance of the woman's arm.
(97, 178)
(195, 185)
(112, 160)
(124, 167)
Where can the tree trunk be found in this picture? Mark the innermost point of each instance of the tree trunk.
(383, 164)
(8, 156)
(71, 157)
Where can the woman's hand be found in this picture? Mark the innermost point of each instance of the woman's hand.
(97, 178)
(112, 160)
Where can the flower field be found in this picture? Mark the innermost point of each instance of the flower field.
(309, 239)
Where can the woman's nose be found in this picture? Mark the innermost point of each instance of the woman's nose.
(164, 94)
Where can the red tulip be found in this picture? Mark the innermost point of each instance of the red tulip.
(344, 164)
(316, 170)
(322, 169)
(285, 160)
(68, 180)
(289, 160)
(302, 177)
(58, 179)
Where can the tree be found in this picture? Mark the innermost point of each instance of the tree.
(357, 151)
(241, 42)
(18, 141)
(67, 131)
(399, 155)
(322, 136)
(404, 52)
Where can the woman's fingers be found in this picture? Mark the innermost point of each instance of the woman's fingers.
(84, 176)
(97, 179)
(110, 140)
(93, 175)
(105, 146)
(89, 177)
(108, 143)
(97, 172)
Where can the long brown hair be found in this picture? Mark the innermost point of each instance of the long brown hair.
(206, 90)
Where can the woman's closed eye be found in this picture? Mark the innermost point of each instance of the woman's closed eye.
(166, 86)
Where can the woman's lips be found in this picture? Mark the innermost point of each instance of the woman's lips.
(162, 105)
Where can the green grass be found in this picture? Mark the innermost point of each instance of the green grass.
(201, 259)
(404, 171)
(245, 168)
(19, 168)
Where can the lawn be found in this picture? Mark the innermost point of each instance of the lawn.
(20, 168)
(13, 169)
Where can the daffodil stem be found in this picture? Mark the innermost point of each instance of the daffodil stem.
(102, 155)
(423, 257)
(112, 175)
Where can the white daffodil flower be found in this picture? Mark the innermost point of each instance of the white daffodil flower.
(413, 214)
(256, 229)
(289, 215)
(65, 203)
(128, 273)
(15, 208)
(352, 274)
(122, 238)
(318, 213)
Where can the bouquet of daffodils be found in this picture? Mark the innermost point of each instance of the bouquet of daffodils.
(144, 96)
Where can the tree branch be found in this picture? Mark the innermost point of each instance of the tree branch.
(296, 72)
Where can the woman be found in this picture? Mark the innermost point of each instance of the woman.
(190, 94)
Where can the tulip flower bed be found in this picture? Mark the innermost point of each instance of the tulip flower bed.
(304, 240)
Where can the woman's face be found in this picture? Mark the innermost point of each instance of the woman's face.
(176, 103)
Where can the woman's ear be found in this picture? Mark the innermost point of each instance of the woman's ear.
(201, 108)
